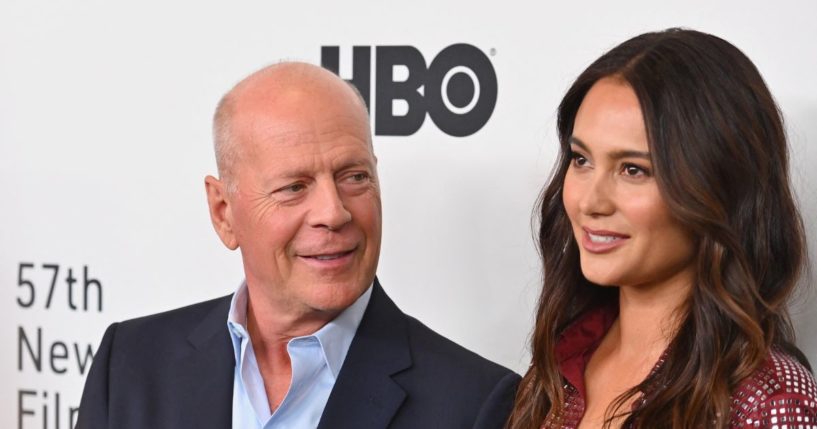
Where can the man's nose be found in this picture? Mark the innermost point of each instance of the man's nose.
(328, 209)
(598, 196)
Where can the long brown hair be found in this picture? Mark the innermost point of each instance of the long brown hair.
(719, 151)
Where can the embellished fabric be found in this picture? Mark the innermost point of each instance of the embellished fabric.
(781, 394)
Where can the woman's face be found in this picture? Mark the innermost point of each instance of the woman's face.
(624, 230)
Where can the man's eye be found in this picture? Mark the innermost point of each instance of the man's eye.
(358, 177)
(293, 188)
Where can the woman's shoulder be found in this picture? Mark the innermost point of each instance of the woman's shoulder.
(781, 392)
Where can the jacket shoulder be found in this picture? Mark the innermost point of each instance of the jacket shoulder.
(781, 391)
(451, 386)
(166, 330)
(429, 347)
(189, 314)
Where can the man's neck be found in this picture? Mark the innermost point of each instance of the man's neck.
(276, 319)
(271, 326)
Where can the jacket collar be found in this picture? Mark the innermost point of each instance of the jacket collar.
(365, 395)
(210, 371)
(578, 342)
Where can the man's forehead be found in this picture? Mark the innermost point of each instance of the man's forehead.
(288, 134)
(295, 118)
(302, 155)
(295, 84)
(287, 107)
(286, 130)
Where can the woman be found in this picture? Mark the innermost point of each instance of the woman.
(671, 244)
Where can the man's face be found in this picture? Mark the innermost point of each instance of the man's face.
(306, 211)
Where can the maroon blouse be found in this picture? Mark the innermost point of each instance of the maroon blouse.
(781, 394)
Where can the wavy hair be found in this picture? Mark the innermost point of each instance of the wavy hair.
(719, 151)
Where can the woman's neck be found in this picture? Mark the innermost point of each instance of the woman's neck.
(649, 316)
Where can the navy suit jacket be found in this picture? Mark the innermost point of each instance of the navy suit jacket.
(175, 370)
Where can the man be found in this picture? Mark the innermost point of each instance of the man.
(310, 339)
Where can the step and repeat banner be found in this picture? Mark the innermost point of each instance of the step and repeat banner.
(105, 115)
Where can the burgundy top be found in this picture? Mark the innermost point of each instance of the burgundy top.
(781, 394)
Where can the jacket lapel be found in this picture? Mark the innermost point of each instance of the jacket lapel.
(364, 394)
(208, 372)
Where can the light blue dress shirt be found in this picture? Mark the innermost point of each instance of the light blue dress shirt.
(316, 361)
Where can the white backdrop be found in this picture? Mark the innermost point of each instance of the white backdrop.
(105, 114)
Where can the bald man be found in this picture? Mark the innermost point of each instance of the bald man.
(309, 339)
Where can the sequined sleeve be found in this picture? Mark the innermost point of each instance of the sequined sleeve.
(779, 395)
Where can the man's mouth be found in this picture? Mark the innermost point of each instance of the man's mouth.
(330, 256)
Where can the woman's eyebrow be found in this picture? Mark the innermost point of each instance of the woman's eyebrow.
(616, 154)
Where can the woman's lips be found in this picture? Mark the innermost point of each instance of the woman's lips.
(601, 241)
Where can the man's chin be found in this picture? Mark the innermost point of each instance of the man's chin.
(335, 297)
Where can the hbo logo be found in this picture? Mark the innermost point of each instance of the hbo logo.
(457, 90)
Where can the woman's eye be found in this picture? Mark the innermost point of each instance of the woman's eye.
(579, 160)
(634, 170)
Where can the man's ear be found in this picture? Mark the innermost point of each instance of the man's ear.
(220, 211)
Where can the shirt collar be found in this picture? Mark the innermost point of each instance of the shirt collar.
(579, 340)
(335, 337)
(237, 320)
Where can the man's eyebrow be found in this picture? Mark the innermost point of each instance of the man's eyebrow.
(295, 173)
(616, 154)
(292, 174)
(354, 163)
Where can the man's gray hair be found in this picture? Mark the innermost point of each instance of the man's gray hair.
(224, 142)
